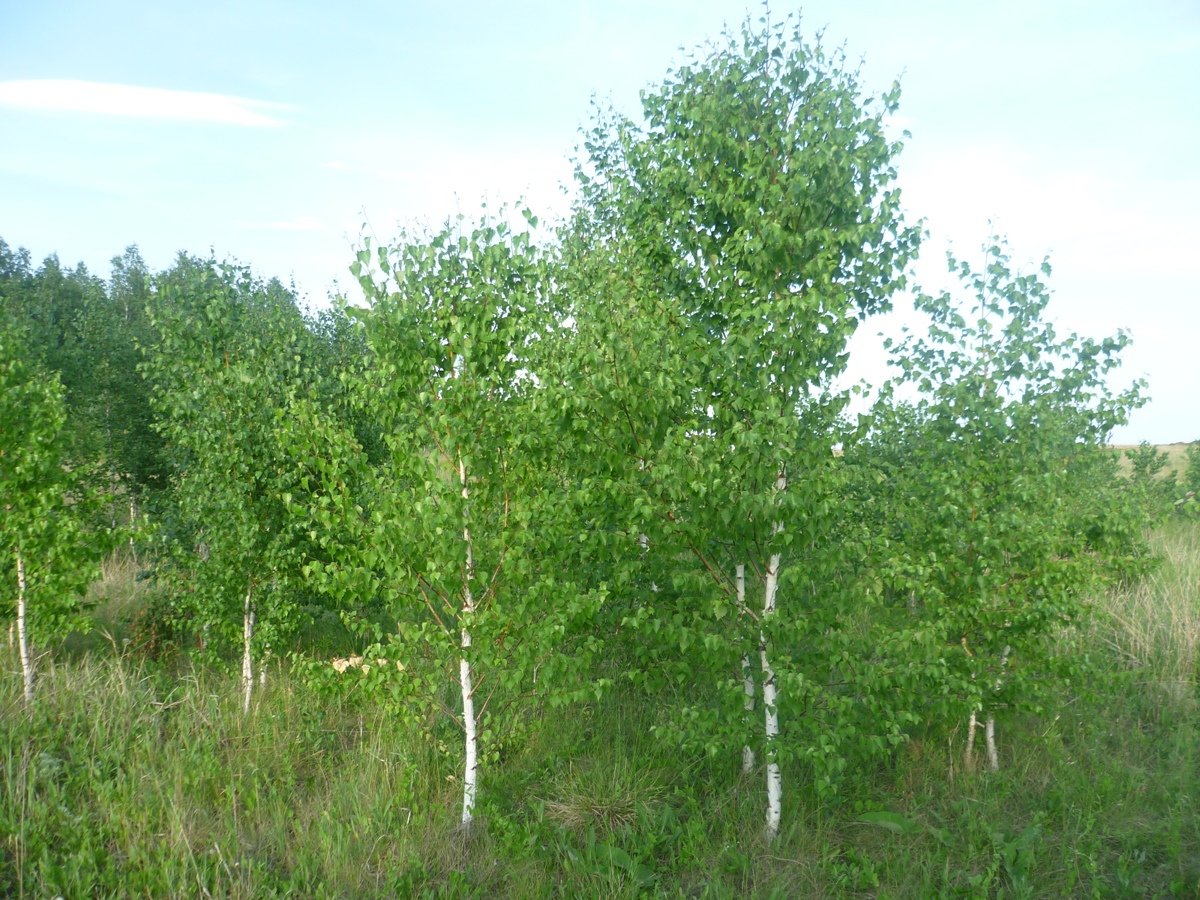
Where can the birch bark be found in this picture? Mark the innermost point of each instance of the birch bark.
(989, 732)
(747, 676)
(969, 753)
(23, 632)
(247, 659)
(774, 777)
(464, 666)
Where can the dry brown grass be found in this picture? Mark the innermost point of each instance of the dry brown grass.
(1155, 624)
(118, 591)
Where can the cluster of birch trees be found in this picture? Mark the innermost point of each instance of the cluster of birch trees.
(615, 452)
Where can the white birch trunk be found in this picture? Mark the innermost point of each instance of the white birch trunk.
(23, 632)
(774, 778)
(770, 692)
(132, 520)
(262, 673)
(247, 659)
(989, 732)
(471, 765)
(747, 677)
(969, 753)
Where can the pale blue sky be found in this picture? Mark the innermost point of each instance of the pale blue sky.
(1075, 126)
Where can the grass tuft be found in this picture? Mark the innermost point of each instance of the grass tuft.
(605, 795)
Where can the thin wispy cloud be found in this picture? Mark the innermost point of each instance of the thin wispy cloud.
(137, 102)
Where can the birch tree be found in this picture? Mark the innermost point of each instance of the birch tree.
(229, 350)
(467, 513)
(49, 556)
(727, 247)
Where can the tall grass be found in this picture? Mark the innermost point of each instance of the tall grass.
(132, 778)
(1155, 624)
(125, 783)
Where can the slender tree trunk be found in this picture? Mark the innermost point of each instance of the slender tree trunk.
(774, 778)
(990, 730)
(989, 733)
(262, 673)
(770, 692)
(969, 753)
(464, 666)
(747, 675)
(132, 520)
(23, 631)
(247, 659)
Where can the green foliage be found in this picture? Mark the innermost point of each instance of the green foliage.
(464, 533)
(90, 336)
(1152, 483)
(721, 255)
(229, 354)
(47, 521)
(993, 489)
(1187, 503)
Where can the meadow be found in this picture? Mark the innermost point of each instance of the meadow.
(141, 777)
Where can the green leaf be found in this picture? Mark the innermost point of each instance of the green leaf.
(893, 822)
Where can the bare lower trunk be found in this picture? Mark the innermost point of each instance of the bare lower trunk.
(969, 753)
(471, 765)
(989, 733)
(23, 632)
(132, 520)
(747, 676)
(990, 729)
(247, 659)
(774, 778)
(262, 673)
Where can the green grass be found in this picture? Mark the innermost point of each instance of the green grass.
(137, 779)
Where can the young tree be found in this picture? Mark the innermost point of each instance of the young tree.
(228, 354)
(49, 556)
(724, 252)
(467, 519)
(995, 484)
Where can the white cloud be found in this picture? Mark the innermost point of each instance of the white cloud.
(138, 102)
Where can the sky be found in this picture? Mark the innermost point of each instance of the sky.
(279, 132)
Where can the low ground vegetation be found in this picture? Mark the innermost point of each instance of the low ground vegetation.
(143, 777)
